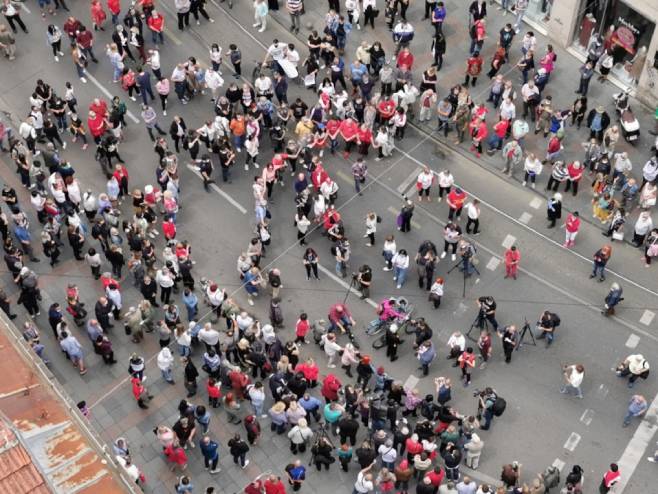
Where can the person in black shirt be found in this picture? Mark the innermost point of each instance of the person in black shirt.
(226, 160)
(299, 109)
(205, 167)
(487, 306)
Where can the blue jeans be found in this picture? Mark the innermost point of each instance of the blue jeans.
(400, 274)
(166, 375)
(117, 72)
(258, 409)
(191, 312)
(340, 269)
(115, 19)
(157, 36)
(357, 185)
(238, 141)
(347, 324)
(519, 18)
(495, 142)
(598, 270)
(488, 417)
(628, 417)
(184, 351)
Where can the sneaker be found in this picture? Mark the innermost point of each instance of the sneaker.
(216, 470)
(264, 416)
(386, 269)
(454, 257)
(532, 185)
(133, 98)
(246, 463)
(652, 459)
(61, 54)
(251, 302)
(64, 146)
(523, 183)
(246, 168)
(261, 30)
(56, 58)
(256, 165)
(198, 23)
(443, 254)
(84, 146)
(211, 20)
(164, 112)
(332, 366)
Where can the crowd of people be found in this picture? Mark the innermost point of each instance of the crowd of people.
(361, 106)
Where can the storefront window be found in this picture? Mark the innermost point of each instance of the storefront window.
(625, 33)
(539, 11)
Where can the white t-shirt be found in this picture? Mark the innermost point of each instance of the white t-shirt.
(362, 485)
(277, 51)
(576, 378)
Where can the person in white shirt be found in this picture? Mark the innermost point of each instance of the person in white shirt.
(532, 167)
(364, 483)
(131, 470)
(389, 454)
(292, 55)
(400, 267)
(209, 336)
(331, 348)
(276, 51)
(213, 82)
(473, 214)
(508, 110)
(371, 228)
(424, 184)
(457, 344)
(165, 363)
(573, 378)
(263, 86)
(390, 248)
(165, 281)
(446, 181)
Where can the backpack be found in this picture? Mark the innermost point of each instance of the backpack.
(499, 406)
(556, 319)
(551, 477)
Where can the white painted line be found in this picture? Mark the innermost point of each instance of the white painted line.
(647, 317)
(214, 187)
(109, 95)
(536, 203)
(559, 464)
(173, 38)
(345, 285)
(411, 382)
(345, 177)
(603, 390)
(572, 442)
(632, 341)
(402, 188)
(23, 7)
(587, 416)
(525, 218)
(493, 263)
(637, 446)
(509, 241)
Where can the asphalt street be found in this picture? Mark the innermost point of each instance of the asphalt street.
(540, 427)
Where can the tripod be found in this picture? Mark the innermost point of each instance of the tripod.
(323, 436)
(526, 330)
(464, 262)
(481, 323)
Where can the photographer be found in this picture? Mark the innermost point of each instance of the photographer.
(340, 318)
(486, 401)
(364, 279)
(322, 450)
(487, 306)
(426, 258)
(546, 326)
(466, 251)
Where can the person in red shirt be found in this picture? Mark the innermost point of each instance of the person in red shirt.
(310, 370)
(169, 229)
(99, 107)
(255, 487)
(479, 32)
(330, 387)
(348, 130)
(98, 15)
(405, 58)
(71, 27)
(571, 226)
(121, 174)
(364, 138)
(156, 24)
(214, 392)
(333, 129)
(318, 176)
(273, 485)
(386, 109)
(456, 199)
(301, 328)
(473, 68)
(413, 446)
(147, 7)
(114, 6)
(139, 392)
(176, 455)
(496, 140)
(97, 126)
(320, 139)
(479, 133)
(512, 260)
(575, 170)
(436, 476)
(85, 41)
(466, 362)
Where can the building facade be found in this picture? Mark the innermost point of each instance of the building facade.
(626, 27)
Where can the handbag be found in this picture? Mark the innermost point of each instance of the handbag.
(617, 235)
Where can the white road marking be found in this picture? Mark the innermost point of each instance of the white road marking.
(411, 382)
(104, 90)
(402, 188)
(493, 263)
(23, 7)
(509, 241)
(172, 37)
(345, 285)
(214, 187)
(637, 446)
(345, 177)
(647, 317)
(536, 203)
(572, 442)
(525, 218)
(559, 464)
(632, 340)
(587, 416)
(603, 390)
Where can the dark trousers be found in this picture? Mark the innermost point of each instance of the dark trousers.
(212, 464)
(183, 18)
(15, 18)
(476, 224)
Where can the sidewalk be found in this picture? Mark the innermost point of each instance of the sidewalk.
(562, 86)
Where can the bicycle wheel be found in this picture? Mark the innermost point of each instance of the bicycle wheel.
(408, 327)
(380, 342)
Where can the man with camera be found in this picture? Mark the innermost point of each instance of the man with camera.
(548, 322)
(466, 251)
(364, 279)
(486, 401)
(340, 318)
(487, 306)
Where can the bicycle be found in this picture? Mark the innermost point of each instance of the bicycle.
(401, 305)
(380, 342)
